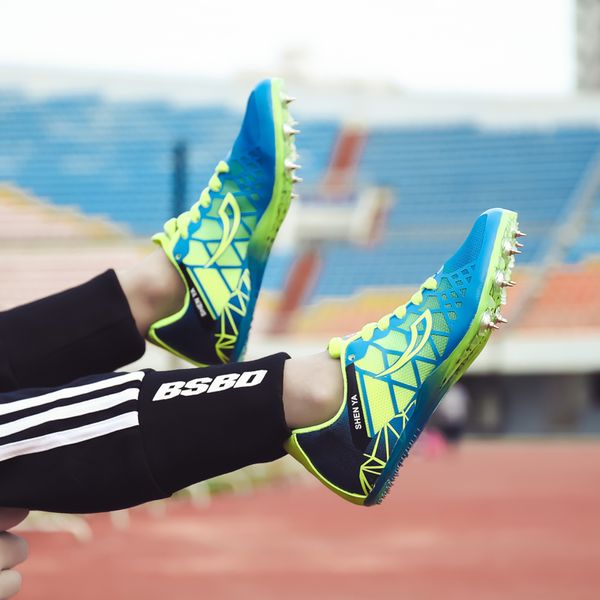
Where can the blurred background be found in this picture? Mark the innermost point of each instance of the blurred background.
(415, 117)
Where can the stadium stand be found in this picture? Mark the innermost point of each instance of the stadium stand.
(588, 242)
(442, 178)
(113, 159)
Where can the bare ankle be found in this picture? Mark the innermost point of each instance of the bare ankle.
(153, 288)
(312, 390)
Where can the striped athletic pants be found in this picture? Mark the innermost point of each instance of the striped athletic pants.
(76, 437)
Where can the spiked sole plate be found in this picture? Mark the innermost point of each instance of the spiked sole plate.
(269, 224)
(267, 228)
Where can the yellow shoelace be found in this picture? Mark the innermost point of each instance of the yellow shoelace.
(182, 222)
(336, 344)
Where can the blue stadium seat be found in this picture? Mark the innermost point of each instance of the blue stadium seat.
(442, 178)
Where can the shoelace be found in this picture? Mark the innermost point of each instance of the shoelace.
(336, 344)
(182, 222)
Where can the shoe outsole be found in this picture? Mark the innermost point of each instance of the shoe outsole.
(267, 228)
(486, 319)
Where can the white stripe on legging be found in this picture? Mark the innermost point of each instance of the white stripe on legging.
(69, 392)
(69, 411)
(71, 436)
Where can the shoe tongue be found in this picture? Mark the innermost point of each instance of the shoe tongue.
(160, 239)
(335, 347)
(169, 230)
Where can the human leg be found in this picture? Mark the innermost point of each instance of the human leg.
(87, 329)
(112, 441)
(153, 289)
(350, 416)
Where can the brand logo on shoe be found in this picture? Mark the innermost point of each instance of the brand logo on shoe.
(200, 385)
(416, 344)
(198, 303)
(230, 226)
(355, 411)
(355, 408)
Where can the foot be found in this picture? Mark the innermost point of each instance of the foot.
(221, 245)
(397, 370)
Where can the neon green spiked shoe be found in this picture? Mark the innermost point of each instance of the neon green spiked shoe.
(397, 370)
(221, 245)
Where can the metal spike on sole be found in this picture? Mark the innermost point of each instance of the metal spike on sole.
(295, 196)
(520, 234)
(296, 179)
(291, 166)
(289, 130)
(502, 282)
(387, 486)
(486, 321)
(287, 99)
(507, 247)
(500, 318)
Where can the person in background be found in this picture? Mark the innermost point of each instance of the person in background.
(451, 415)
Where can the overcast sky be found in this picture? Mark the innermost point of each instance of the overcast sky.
(480, 46)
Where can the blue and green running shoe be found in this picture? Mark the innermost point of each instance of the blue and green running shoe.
(397, 370)
(221, 245)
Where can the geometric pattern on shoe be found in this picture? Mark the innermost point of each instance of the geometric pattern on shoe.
(221, 245)
(397, 370)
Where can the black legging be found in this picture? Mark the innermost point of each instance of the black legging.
(110, 441)
(84, 330)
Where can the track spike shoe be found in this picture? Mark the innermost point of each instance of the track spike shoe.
(397, 370)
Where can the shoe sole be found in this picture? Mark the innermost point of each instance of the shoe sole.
(500, 267)
(268, 226)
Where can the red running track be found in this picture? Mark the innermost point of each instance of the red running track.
(497, 521)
